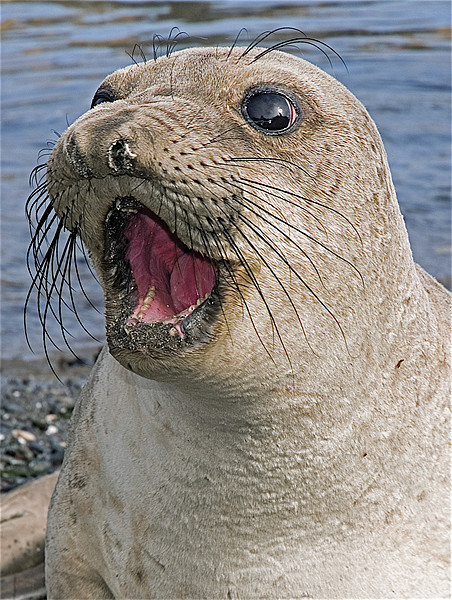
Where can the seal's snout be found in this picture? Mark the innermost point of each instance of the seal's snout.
(116, 156)
(120, 156)
(101, 143)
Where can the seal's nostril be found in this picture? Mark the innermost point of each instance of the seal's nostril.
(76, 157)
(120, 156)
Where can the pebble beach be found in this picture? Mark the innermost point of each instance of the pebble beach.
(35, 412)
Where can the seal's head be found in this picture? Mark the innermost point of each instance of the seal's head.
(228, 199)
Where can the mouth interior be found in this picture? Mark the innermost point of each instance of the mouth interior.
(172, 280)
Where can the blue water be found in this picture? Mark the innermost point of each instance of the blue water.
(54, 54)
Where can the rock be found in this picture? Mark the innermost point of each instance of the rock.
(27, 585)
(23, 525)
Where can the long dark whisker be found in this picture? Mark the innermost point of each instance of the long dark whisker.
(259, 39)
(286, 237)
(256, 285)
(73, 261)
(36, 176)
(220, 136)
(41, 261)
(63, 274)
(39, 239)
(232, 276)
(53, 264)
(301, 39)
(173, 41)
(34, 252)
(81, 247)
(41, 281)
(157, 41)
(259, 184)
(234, 44)
(238, 288)
(279, 161)
(40, 201)
(318, 221)
(50, 267)
(37, 194)
(208, 252)
(38, 279)
(300, 231)
(278, 253)
(272, 245)
(187, 222)
(136, 48)
(38, 231)
(281, 256)
(308, 41)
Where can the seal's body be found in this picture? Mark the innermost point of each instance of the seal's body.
(270, 417)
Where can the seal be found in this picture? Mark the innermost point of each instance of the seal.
(269, 418)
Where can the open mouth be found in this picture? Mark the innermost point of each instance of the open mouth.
(169, 282)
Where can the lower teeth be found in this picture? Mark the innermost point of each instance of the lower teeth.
(138, 316)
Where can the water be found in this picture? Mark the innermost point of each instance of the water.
(55, 53)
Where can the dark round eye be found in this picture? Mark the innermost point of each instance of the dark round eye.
(270, 112)
(102, 96)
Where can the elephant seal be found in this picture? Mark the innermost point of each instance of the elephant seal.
(269, 419)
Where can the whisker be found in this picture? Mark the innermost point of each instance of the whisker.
(319, 223)
(265, 238)
(36, 176)
(230, 273)
(221, 135)
(300, 231)
(238, 288)
(65, 258)
(54, 267)
(256, 285)
(173, 41)
(253, 279)
(33, 203)
(244, 29)
(50, 266)
(279, 161)
(137, 48)
(38, 241)
(286, 237)
(298, 276)
(73, 262)
(272, 271)
(41, 281)
(157, 41)
(258, 184)
(258, 40)
(81, 247)
(302, 38)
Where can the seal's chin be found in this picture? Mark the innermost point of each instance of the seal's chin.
(161, 296)
(171, 280)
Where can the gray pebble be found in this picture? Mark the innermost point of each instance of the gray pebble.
(42, 408)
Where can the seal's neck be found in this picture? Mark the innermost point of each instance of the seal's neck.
(310, 461)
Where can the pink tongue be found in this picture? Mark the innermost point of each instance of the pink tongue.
(158, 259)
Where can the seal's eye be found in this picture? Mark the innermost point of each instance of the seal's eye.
(269, 111)
(102, 96)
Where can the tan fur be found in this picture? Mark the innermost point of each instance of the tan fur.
(304, 457)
